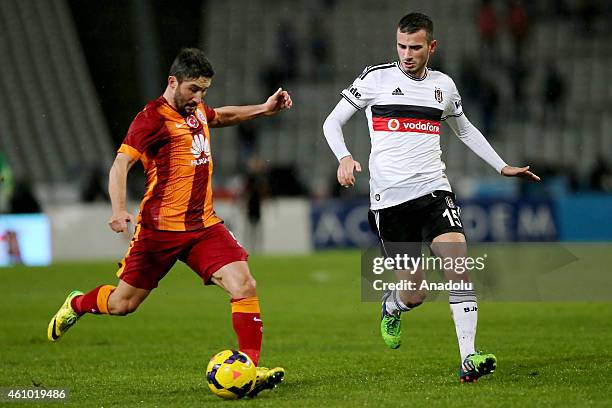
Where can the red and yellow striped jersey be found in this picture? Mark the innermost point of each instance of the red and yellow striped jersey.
(175, 152)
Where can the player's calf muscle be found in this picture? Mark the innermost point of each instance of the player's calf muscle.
(413, 298)
(122, 307)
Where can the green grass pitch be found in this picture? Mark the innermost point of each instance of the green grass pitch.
(550, 354)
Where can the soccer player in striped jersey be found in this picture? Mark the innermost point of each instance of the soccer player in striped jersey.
(410, 195)
(171, 138)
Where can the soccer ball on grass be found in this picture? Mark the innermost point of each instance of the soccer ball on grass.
(231, 374)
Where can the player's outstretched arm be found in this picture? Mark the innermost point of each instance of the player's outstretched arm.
(231, 115)
(117, 180)
(521, 172)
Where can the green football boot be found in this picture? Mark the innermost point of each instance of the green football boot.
(476, 365)
(390, 325)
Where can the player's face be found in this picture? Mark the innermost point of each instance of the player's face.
(414, 51)
(189, 93)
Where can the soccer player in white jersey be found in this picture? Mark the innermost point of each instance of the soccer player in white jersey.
(410, 195)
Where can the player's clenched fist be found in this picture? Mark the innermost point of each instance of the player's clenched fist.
(118, 222)
(347, 165)
(278, 101)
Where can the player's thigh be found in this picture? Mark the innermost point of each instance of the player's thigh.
(443, 231)
(150, 256)
(215, 248)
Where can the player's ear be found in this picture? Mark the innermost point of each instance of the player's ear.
(173, 82)
(432, 46)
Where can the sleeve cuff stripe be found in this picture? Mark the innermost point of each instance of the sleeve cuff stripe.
(130, 151)
(351, 102)
(452, 116)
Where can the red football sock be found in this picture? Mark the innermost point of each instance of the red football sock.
(94, 301)
(248, 326)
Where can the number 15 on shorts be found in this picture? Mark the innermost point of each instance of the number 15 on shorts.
(452, 214)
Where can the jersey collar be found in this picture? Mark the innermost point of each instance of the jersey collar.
(397, 64)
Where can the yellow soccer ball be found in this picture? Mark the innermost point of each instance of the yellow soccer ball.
(231, 374)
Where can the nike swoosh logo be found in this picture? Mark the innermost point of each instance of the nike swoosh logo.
(180, 125)
(55, 336)
(257, 320)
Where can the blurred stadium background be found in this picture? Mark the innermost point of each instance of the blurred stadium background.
(534, 76)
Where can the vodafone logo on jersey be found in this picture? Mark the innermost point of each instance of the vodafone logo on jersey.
(406, 125)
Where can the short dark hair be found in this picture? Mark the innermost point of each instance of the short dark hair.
(191, 63)
(413, 22)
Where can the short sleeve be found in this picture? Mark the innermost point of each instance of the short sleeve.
(362, 91)
(210, 113)
(146, 129)
(453, 104)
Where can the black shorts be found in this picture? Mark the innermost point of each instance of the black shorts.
(418, 220)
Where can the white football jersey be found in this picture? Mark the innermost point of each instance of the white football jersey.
(404, 115)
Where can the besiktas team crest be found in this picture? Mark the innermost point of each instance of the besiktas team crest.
(449, 202)
(438, 95)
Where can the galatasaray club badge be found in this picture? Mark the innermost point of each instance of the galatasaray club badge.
(192, 122)
(438, 95)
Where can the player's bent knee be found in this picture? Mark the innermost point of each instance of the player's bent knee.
(247, 288)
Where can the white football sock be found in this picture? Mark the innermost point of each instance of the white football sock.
(394, 304)
(464, 310)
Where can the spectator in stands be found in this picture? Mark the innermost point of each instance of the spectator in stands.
(329, 5)
(271, 77)
(553, 95)
(480, 91)
(518, 73)
(288, 51)
(601, 176)
(248, 135)
(469, 78)
(6, 184)
(256, 189)
(94, 188)
(519, 25)
(559, 8)
(23, 200)
(587, 12)
(487, 25)
(319, 49)
(489, 104)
